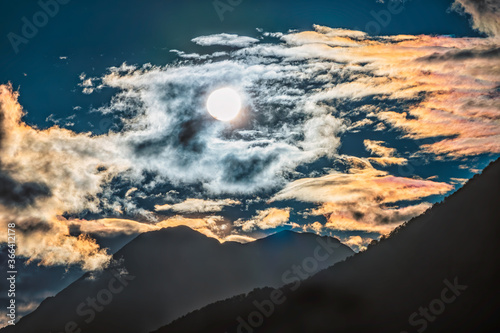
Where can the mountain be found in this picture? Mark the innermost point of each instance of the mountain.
(438, 273)
(164, 274)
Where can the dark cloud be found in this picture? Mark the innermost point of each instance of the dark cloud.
(33, 225)
(2, 130)
(150, 146)
(246, 170)
(358, 215)
(13, 193)
(188, 135)
(468, 54)
(186, 138)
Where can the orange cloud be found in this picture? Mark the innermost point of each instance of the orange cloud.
(364, 199)
(357, 243)
(456, 77)
(386, 154)
(211, 226)
(66, 164)
(266, 219)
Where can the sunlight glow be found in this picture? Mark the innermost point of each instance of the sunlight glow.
(224, 104)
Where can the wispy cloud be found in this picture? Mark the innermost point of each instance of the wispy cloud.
(363, 199)
(225, 40)
(385, 154)
(198, 206)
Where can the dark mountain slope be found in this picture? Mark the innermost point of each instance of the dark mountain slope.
(167, 273)
(439, 273)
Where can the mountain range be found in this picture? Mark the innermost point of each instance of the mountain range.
(436, 273)
(162, 275)
(439, 272)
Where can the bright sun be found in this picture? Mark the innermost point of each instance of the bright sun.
(224, 104)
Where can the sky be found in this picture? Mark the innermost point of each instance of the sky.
(356, 116)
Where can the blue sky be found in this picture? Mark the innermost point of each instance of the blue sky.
(95, 35)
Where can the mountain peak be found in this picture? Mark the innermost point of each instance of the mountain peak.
(173, 271)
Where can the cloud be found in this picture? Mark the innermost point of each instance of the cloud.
(450, 93)
(315, 227)
(357, 243)
(386, 154)
(368, 216)
(20, 194)
(359, 183)
(44, 174)
(198, 206)
(270, 218)
(385, 161)
(460, 181)
(212, 226)
(174, 137)
(484, 13)
(239, 239)
(364, 199)
(4, 319)
(378, 148)
(225, 40)
(49, 243)
(110, 226)
(289, 90)
(464, 54)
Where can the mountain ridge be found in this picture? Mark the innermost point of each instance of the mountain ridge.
(388, 287)
(168, 273)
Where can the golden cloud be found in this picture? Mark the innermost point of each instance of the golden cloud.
(458, 78)
(386, 154)
(357, 243)
(266, 219)
(363, 199)
(64, 163)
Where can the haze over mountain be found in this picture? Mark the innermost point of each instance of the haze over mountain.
(438, 273)
(164, 274)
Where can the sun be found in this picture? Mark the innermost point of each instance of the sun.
(224, 104)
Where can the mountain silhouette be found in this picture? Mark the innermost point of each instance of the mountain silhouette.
(437, 273)
(164, 274)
